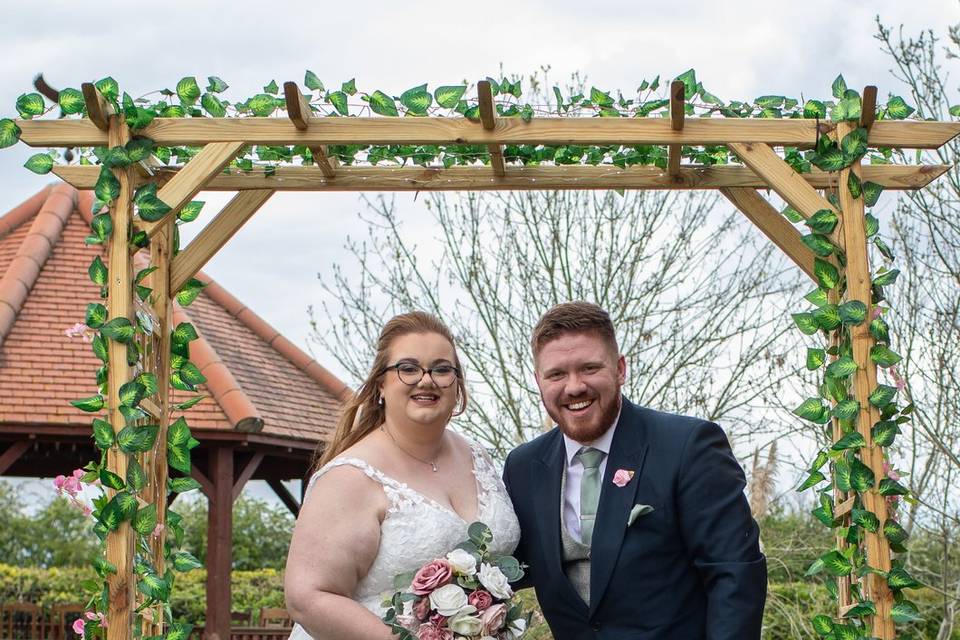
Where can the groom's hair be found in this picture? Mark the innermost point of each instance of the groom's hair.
(573, 317)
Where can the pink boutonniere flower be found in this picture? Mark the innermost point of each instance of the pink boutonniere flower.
(622, 477)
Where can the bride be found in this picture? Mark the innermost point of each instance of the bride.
(395, 489)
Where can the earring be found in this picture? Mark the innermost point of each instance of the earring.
(380, 400)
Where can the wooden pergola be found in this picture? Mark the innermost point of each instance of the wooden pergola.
(754, 141)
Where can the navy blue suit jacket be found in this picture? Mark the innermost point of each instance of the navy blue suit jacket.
(691, 569)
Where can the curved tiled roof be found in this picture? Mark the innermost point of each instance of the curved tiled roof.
(258, 380)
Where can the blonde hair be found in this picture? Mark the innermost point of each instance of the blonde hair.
(363, 413)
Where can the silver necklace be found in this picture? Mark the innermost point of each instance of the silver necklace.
(432, 463)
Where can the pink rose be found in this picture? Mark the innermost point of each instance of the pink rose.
(438, 620)
(432, 632)
(421, 610)
(480, 599)
(622, 477)
(493, 619)
(78, 625)
(432, 575)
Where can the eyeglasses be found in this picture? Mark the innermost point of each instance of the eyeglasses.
(411, 374)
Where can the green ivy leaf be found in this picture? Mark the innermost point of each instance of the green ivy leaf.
(102, 433)
(886, 278)
(827, 275)
(339, 100)
(111, 480)
(955, 110)
(99, 347)
(893, 532)
(212, 105)
(39, 163)
(839, 87)
(847, 108)
(189, 292)
(9, 133)
(107, 188)
(216, 85)
(449, 96)
(184, 561)
(119, 329)
(871, 193)
(836, 563)
(272, 88)
(846, 632)
(312, 82)
(30, 105)
(904, 612)
(882, 395)
(151, 208)
(845, 410)
(182, 485)
(854, 145)
(817, 297)
(823, 221)
(841, 475)
(806, 323)
(890, 487)
(814, 410)
(884, 432)
(842, 367)
(184, 333)
(136, 477)
(383, 104)
(853, 313)
(190, 211)
(190, 374)
(71, 101)
(145, 520)
(883, 356)
(828, 316)
(879, 330)
(815, 358)
(98, 271)
(823, 625)
(871, 224)
(134, 439)
(90, 405)
(898, 109)
(262, 104)
(96, 315)
(131, 393)
(853, 185)
(822, 458)
(154, 587)
(188, 91)
(139, 149)
(117, 157)
(829, 160)
(818, 243)
(187, 404)
(178, 457)
(792, 214)
(898, 578)
(852, 440)
(417, 100)
(349, 87)
(108, 88)
(861, 609)
(813, 479)
(689, 80)
(861, 476)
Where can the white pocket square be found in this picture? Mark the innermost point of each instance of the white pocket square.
(637, 511)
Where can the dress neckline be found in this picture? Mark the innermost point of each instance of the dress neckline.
(436, 503)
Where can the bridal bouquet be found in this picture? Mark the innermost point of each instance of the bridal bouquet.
(464, 595)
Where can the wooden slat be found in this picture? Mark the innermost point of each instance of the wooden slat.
(191, 179)
(246, 474)
(864, 381)
(98, 109)
(298, 110)
(868, 110)
(216, 234)
(285, 496)
(677, 115)
(151, 407)
(206, 485)
(488, 118)
(12, 454)
(773, 225)
(120, 543)
(788, 184)
(519, 178)
(548, 130)
(844, 507)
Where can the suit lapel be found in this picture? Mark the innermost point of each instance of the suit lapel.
(627, 451)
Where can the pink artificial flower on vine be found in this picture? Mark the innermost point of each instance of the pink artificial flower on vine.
(80, 330)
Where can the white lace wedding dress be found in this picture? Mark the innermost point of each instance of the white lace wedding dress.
(417, 529)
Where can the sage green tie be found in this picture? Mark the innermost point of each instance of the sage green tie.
(589, 491)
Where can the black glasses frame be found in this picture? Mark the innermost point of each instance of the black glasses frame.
(423, 372)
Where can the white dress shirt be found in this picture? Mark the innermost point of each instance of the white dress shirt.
(574, 470)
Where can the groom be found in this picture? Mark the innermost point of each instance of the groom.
(634, 523)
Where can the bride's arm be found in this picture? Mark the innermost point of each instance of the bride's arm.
(335, 541)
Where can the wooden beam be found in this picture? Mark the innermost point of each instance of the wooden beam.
(246, 474)
(215, 235)
(548, 131)
(788, 184)
(678, 99)
(206, 485)
(120, 543)
(299, 112)
(864, 382)
(773, 225)
(12, 454)
(285, 496)
(868, 109)
(210, 161)
(519, 178)
(98, 109)
(219, 544)
(488, 118)
(844, 507)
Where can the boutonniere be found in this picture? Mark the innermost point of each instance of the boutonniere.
(622, 477)
(637, 511)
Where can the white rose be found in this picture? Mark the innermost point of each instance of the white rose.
(448, 600)
(517, 627)
(465, 624)
(496, 583)
(462, 562)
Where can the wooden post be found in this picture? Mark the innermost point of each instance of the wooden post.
(219, 543)
(678, 98)
(488, 118)
(156, 461)
(119, 305)
(865, 380)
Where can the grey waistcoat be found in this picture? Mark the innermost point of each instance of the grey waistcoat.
(576, 555)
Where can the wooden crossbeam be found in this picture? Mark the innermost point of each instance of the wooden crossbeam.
(773, 225)
(285, 496)
(488, 117)
(844, 508)
(210, 161)
(246, 474)
(12, 454)
(299, 112)
(788, 184)
(206, 485)
(868, 108)
(215, 235)
(518, 178)
(98, 109)
(677, 115)
(547, 130)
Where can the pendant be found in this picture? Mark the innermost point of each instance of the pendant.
(433, 465)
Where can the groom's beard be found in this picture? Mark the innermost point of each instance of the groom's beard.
(587, 432)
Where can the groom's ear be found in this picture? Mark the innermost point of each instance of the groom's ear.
(621, 370)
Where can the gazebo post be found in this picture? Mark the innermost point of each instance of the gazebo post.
(119, 305)
(864, 381)
(219, 543)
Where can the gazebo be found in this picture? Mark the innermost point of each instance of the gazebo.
(270, 404)
(491, 142)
